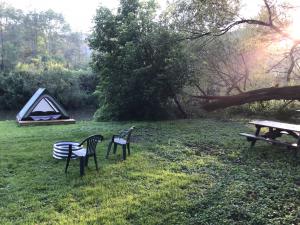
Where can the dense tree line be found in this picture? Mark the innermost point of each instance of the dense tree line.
(73, 89)
(35, 40)
(144, 65)
(38, 49)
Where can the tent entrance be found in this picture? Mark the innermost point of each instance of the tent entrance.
(45, 110)
(45, 106)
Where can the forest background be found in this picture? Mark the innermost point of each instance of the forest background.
(139, 58)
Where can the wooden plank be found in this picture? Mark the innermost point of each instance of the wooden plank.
(277, 125)
(46, 122)
(272, 141)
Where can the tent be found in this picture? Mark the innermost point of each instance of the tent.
(43, 109)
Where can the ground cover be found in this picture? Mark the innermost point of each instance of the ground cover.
(180, 172)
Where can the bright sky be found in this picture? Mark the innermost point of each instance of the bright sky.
(79, 13)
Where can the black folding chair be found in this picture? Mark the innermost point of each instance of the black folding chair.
(85, 153)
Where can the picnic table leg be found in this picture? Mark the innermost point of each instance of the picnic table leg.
(271, 130)
(256, 134)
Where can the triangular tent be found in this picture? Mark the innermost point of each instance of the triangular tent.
(44, 109)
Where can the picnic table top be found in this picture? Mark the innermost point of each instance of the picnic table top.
(277, 125)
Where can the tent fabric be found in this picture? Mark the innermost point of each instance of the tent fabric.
(41, 106)
(44, 106)
(43, 118)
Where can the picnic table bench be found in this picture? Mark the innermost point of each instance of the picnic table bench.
(275, 130)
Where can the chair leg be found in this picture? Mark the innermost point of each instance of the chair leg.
(108, 149)
(86, 161)
(82, 161)
(67, 165)
(115, 148)
(124, 152)
(69, 157)
(95, 158)
(128, 148)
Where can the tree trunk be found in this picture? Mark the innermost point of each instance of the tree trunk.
(2, 47)
(180, 108)
(265, 94)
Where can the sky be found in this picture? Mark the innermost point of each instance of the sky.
(79, 14)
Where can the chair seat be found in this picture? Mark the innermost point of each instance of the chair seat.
(120, 141)
(80, 153)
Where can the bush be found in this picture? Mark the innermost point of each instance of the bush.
(72, 89)
(279, 109)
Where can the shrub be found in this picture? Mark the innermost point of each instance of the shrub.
(72, 89)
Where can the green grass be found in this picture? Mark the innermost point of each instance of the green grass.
(180, 172)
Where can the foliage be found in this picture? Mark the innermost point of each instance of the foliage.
(278, 109)
(198, 16)
(38, 49)
(140, 63)
(180, 172)
(220, 66)
(39, 39)
(210, 19)
(72, 89)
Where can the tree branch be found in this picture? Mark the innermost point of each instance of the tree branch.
(292, 65)
(269, 12)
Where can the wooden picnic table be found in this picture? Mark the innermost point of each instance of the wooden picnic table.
(275, 130)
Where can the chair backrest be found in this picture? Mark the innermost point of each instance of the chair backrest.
(126, 134)
(91, 143)
(129, 133)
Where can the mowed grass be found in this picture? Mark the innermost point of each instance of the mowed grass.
(180, 172)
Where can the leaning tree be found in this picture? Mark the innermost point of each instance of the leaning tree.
(203, 19)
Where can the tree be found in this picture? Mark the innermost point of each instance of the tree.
(10, 43)
(140, 63)
(38, 38)
(189, 17)
(220, 66)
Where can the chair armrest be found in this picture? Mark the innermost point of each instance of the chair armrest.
(82, 142)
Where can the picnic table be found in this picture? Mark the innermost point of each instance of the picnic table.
(274, 131)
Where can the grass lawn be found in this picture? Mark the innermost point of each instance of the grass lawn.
(180, 172)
